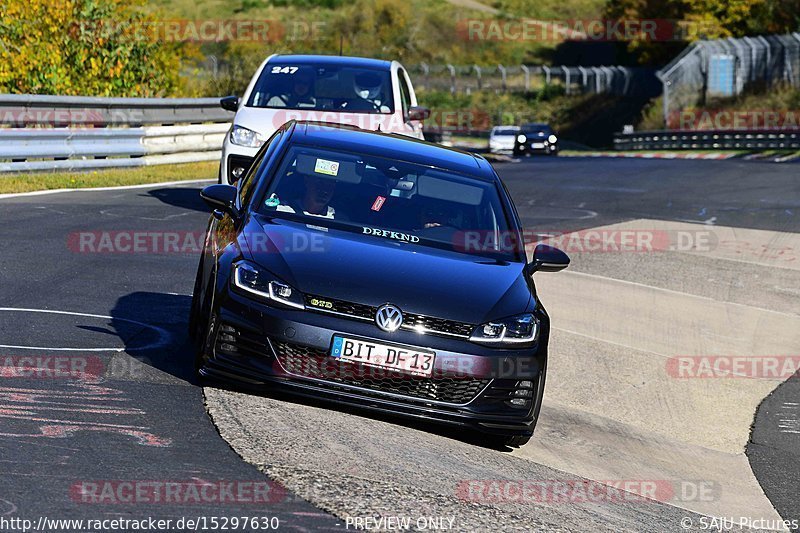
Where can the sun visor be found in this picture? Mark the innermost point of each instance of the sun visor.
(440, 189)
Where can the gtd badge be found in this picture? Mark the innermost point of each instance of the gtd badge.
(389, 318)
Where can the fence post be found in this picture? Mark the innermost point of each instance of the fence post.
(546, 70)
(583, 78)
(478, 76)
(796, 79)
(566, 79)
(626, 73)
(751, 75)
(502, 70)
(452, 70)
(527, 72)
(425, 71)
(767, 73)
(665, 100)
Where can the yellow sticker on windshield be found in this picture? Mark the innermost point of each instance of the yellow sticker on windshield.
(323, 166)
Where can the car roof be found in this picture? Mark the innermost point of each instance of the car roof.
(535, 125)
(341, 61)
(391, 145)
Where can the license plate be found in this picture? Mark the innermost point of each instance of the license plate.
(401, 358)
(538, 145)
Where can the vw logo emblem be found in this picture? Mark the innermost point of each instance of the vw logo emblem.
(389, 318)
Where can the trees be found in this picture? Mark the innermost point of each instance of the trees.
(703, 19)
(84, 47)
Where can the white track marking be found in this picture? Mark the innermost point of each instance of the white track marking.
(95, 189)
(163, 336)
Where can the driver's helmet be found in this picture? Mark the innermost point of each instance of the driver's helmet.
(367, 85)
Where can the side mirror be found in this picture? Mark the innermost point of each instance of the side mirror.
(220, 197)
(418, 113)
(230, 103)
(548, 259)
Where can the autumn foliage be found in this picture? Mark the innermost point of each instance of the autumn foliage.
(83, 47)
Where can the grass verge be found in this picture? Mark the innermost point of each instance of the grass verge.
(42, 181)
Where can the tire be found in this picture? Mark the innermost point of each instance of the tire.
(194, 310)
(539, 398)
(205, 348)
(516, 441)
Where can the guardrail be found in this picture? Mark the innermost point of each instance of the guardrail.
(75, 132)
(708, 140)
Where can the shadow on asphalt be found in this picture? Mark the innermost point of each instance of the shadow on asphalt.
(170, 351)
(183, 197)
(171, 313)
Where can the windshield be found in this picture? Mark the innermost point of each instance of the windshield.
(505, 131)
(284, 85)
(389, 199)
(537, 128)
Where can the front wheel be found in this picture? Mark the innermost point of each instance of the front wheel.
(516, 441)
(204, 350)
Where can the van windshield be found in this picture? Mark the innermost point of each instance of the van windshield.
(305, 86)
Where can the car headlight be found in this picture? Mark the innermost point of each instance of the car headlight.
(519, 329)
(552, 139)
(245, 137)
(257, 281)
(521, 138)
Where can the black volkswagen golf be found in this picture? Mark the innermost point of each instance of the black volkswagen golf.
(376, 271)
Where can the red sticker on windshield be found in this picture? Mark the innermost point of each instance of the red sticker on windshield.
(376, 206)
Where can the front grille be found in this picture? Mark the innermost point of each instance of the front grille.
(237, 341)
(309, 362)
(432, 325)
(438, 325)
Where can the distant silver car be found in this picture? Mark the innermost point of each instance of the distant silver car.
(502, 138)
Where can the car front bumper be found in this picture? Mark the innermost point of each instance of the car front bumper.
(529, 148)
(234, 156)
(265, 347)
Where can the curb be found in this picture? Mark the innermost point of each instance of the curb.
(657, 155)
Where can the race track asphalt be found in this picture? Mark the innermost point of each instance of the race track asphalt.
(139, 416)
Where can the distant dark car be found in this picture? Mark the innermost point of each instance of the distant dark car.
(536, 138)
(376, 271)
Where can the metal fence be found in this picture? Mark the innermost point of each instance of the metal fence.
(708, 140)
(64, 132)
(624, 81)
(727, 67)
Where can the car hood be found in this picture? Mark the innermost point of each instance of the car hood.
(371, 270)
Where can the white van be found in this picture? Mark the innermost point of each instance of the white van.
(369, 93)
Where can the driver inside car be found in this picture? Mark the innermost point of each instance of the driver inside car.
(367, 88)
(315, 200)
(301, 94)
